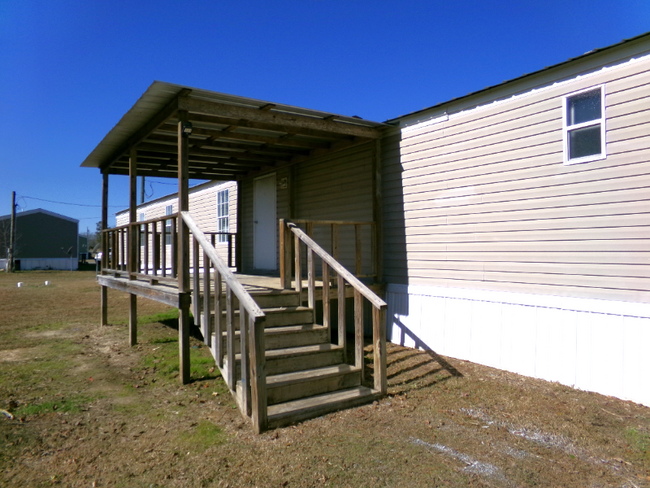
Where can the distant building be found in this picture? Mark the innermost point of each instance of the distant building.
(44, 240)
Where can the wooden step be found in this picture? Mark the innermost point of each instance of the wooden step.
(277, 317)
(300, 384)
(293, 359)
(279, 298)
(289, 336)
(283, 298)
(294, 411)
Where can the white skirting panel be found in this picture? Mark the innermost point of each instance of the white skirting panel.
(594, 345)
(69, 264)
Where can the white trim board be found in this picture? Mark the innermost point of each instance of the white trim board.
(609, 307)
(577, 342)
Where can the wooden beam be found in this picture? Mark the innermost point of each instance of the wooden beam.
(284, 140)
(239, 230)
(184, 342)
(258, 375)
(379, 349)
(342, 324)
(378, 213)
(168, 111)
(218, 144)
(133, 204)
(133, 320)
(165, 150)
(279, 119)
(104, 241)
(183, 251)
(132, 240)
(358, 332)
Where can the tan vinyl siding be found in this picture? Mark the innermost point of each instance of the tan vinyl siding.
(483, 200)
(332, 187)
(203, 209)
(338, 187)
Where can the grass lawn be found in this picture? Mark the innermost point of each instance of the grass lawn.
(82, 408)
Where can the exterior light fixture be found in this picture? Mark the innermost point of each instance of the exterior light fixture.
(186, 128)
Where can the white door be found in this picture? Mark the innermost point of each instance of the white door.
(264, 223)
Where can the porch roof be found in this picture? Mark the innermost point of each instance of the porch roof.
(232, 137)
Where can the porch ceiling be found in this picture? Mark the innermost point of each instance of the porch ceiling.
(232, 137)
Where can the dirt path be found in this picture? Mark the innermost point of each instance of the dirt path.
(90, 411)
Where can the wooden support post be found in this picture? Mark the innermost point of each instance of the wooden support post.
(145, 237)
(184, 338)
(114, 254)
(133, 320)
(229, 238)
(155, 237)
(196, 283)
(183, 248)
(335, 241)
(230, 338)
(379, 349)
(104, 302)
(244, 365)
(163, 248)
(340, 283)
(357, 249)
(311, 279)
(326, 297)
(238, 239)
(132, 241)
(298, 279)
(124, 250)
(174, 249)
(218, 320)
(285, 255)
(358, 332)
(104, 240)
(205, 319)
(378, 214)
(258, 376)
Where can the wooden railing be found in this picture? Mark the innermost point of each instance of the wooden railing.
(215, 276)
(344, 278)
(156, 249)
(335, 228)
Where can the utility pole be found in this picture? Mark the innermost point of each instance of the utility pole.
(12, 233)
(142, 190)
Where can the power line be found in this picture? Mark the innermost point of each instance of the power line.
(68, 203)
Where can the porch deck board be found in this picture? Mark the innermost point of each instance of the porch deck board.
(254, 284)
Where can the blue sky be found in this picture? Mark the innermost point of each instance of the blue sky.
(70, 69)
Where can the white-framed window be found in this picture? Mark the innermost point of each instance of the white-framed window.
(223, 223)
(584, 126)
(169, 209)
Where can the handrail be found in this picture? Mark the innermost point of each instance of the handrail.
(336, 266)
(333, 222)
(360, 291)
(253, 400)
(240, 292)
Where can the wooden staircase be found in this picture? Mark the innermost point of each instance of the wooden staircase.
(289, 370)
(306, 375)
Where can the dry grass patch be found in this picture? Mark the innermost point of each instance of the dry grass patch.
(91, 410)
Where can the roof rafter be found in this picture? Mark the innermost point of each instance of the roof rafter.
(160, 118)
(281, 120)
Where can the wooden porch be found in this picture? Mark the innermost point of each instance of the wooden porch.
(277, 357)
(282, 362)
